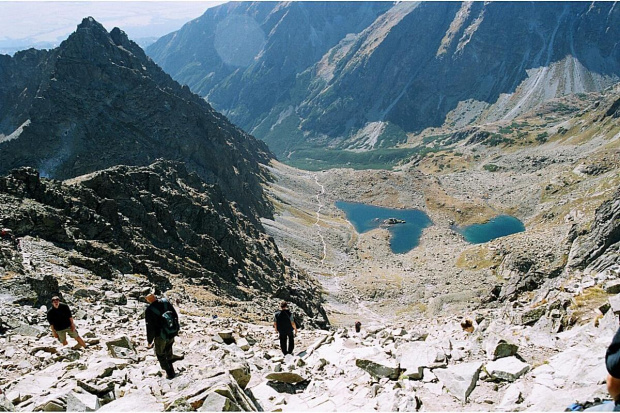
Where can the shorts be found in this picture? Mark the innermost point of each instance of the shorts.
(62, 334)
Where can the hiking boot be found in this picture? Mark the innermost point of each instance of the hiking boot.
(170, 374)
(176, 357)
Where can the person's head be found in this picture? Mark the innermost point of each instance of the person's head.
(55, 301)
(284, 305)
(151, 298)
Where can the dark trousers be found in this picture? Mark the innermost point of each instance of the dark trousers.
(163, 351)
(284, 337)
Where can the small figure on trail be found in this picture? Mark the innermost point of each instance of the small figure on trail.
(358, 326)
(284, 324)
(7, 234)
(61, 322)
(162, 325)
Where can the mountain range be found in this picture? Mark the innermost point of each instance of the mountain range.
(367, 75)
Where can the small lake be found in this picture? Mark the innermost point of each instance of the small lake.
(403, 236)
(500, 226)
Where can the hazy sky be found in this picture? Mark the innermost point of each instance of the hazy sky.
(27, 23)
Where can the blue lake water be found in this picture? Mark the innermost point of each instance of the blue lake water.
(500, 226)
(403, 237)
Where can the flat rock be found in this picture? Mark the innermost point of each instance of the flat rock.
(379, 366)
(508, 368)
(81, 402)
(460, 380)
(285, 377)
(140, 401)
(215, 402)
(414, 357)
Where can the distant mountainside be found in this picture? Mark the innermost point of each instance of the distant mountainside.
(97, 101)
(364, 75)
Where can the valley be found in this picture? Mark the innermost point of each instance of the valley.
(117, 182)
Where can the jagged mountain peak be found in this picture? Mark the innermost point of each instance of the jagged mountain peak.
(98, 101)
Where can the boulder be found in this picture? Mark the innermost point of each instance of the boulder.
(460, 380)
(81, 402)
(31, 331)
(140, 401)
(285, 377)
(379, 366)
(498, 347)
(241, 373)
(414, 357)
(612, 287)
(243, 344)
(122, 348)
(215, 402)
(508, 368)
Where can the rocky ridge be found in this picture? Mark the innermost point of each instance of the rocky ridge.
(158, 222)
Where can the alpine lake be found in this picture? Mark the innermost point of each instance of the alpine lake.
(406, 225)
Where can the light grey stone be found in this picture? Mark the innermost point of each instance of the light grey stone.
(215, 402)
(414, 357)
(460, 380)
(243, 344)
(81, 402)
(508, 368)
(140, 401)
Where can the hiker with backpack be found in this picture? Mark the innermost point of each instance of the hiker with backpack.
(162, 326)
(285, 326)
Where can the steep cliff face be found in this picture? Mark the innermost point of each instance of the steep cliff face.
(406, 68)
(98, 101)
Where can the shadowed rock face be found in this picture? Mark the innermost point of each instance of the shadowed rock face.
(97, 101)
(160, 221)
(407, 64)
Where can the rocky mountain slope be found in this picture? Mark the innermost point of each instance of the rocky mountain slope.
(97, 101)
(314, 81)
(157, 222)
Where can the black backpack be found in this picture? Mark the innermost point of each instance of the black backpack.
(283, 321)
(169, 320)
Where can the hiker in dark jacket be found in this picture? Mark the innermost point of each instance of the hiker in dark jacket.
(157, 334)
(61, 322)
(284, 324)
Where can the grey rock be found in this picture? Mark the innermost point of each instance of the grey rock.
(612, 287)
(460, 380)
(241, 374)
(138, 401)
(379, 366)
(498, 347)
(414, 357)
(31, 331)
(508, 368)
(81, 402)
(285, 377)
(215, 402)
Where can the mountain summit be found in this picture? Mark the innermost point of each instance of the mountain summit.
(97, 101)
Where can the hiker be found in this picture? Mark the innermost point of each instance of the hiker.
(285, 326)
(358, 326)
(61, 323)
(162, 325)
(7, 234)
(612, 361)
